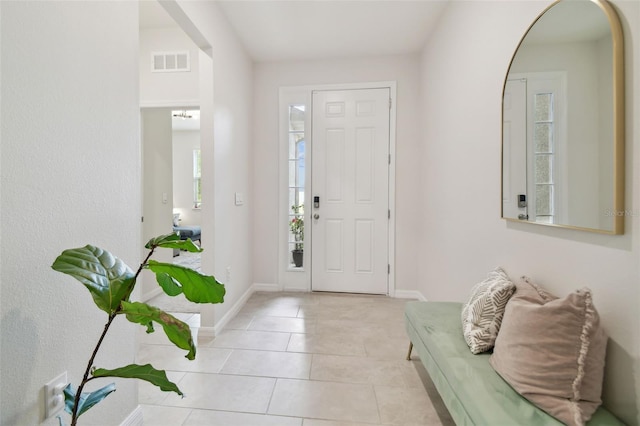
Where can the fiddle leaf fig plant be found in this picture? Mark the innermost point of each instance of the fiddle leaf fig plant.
(111, 282)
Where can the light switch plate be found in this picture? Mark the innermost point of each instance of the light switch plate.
(54, 395)
(239, 199)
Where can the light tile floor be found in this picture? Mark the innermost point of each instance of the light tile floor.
(299, 359)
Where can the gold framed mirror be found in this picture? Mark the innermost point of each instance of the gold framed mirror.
(563, 121)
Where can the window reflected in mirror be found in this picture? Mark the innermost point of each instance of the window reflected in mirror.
(563, 120)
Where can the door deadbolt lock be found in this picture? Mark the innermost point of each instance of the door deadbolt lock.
(522, 200)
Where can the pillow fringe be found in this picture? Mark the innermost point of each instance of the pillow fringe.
(585, 340)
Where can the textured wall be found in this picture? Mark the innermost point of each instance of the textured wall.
(70, 177)
(464, 66)
(226, 157)
(167, 88)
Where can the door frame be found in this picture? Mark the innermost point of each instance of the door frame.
(300, 280)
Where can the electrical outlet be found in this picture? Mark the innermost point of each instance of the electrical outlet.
(228, 274)
(54, 395)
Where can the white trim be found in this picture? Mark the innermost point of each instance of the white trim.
(303, 289)
(290, 279)
(195, 103)
(410, 294)
(135, 418)
(231, 313)
(209, 333)
(266, 287)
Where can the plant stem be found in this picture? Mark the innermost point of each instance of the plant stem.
(74, 416)
(86, 378)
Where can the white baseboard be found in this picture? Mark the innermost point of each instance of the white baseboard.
(265, 287)
(206, 334)
(134, 419)
(410, 294)
(302, 289)
(209, 333)
(231, 313)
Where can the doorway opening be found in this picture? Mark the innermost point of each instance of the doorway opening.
(177, 191)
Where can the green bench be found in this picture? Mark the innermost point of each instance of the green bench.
(470, 388)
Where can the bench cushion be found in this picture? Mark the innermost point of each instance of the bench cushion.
(471, 389)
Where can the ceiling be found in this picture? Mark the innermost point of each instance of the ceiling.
(284, 30)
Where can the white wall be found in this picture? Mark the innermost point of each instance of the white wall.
(184, 143)
(157, 184)
(463, 237)
(268, 78)
(230, 154)
(161, 88)
(70, 177)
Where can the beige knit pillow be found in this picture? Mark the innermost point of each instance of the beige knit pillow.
(482, 314)
(552, 351)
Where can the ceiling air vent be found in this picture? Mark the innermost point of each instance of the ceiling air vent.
(170, 62)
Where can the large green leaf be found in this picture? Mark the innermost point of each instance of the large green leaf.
(173, 241)
(143, 372)
(177, 331)
(108, 278)
(87, 399)
(169, 285)
(196, 287)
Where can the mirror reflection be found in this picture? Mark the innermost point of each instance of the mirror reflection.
(561, 160)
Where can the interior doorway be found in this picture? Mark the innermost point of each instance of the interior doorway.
(174, 100)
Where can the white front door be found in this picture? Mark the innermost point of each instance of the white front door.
(350, 190)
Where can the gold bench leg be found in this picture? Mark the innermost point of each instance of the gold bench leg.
(409, 353)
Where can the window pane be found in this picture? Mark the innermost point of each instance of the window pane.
(544, 200)
(543, 137)
(292, 173)
(197, 180)
(544, 169)
(294, 138)
(197, 163)
(543, 107)
(296, 180)
(296, 198)
(296, 117)
(197, 191)
(300, 163)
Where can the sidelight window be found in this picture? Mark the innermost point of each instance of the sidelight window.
(197, 179)
(544, 157)
(296, 184)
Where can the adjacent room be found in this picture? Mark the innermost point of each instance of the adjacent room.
(390, 212)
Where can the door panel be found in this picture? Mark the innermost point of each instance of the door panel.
(350, 174)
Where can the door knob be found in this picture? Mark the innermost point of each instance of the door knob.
(316, 216)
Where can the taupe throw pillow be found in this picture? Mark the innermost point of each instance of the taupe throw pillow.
(552, 351)
(482, 314)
